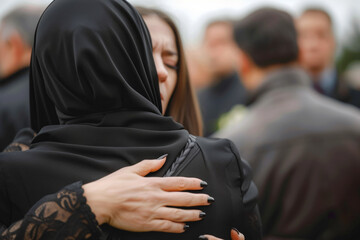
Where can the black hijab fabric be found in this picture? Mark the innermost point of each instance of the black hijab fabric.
(94, 88)
(90, 58)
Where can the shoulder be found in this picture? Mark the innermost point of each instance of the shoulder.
(216, 145)
(223, 155)
(223, 151)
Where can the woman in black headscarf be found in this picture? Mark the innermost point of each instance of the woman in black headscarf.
(95, 102)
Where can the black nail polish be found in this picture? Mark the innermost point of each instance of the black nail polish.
(186, 227)
(161, 157)
(203, 237)
(202, 215)
(211, 200)
(203, 184)
(237, 231)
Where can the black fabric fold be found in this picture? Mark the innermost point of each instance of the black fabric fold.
(91, 58)
(94, 87)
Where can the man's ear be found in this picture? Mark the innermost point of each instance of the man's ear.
(244, 62)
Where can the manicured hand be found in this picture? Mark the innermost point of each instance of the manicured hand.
(127, 200)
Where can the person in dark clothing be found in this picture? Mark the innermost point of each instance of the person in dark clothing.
(304, 148)
(95, 116)
(226, 89)
(16, 40)
(317, 45)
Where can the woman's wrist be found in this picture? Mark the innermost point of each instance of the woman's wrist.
(93, 200)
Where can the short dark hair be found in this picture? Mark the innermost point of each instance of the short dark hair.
(318, 10)
(226, 21)
(268, 36)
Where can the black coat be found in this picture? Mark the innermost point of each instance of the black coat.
(25, 177)
(14, 106)
(304, 150)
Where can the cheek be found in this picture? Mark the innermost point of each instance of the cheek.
(172, 80)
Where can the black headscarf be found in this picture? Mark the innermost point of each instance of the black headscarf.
(91, 58)
(94, 87)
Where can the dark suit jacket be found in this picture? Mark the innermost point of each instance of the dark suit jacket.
(305, 153)
(219, 98)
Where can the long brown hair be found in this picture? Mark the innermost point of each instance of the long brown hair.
(183, 105)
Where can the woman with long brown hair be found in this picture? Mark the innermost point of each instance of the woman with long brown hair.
(183, 105)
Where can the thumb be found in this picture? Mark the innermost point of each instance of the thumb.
(147, 166)
(236, 235)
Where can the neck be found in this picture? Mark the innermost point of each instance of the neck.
(257, 75)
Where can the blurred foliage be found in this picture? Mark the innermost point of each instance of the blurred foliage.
(351, 51)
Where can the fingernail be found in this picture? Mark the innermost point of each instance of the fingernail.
(203, 184)
(202, 215)
(211, 200)
(203, 237)
(237, 231)
(186, 227)
(161, 157)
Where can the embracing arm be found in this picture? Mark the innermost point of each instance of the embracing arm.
(117, 199)
(64, 213)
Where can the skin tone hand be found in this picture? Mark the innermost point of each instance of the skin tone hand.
(235, 235)
(127, 200)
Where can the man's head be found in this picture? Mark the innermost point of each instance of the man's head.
(16, 38)
(220, 47)
(267, 39)
(316, 40)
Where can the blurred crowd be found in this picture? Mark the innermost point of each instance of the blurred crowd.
(270, 83)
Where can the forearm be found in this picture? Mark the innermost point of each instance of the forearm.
(63, 214)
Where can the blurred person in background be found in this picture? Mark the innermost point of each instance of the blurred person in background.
(352, 75)
(304, 148)
(198, 65)
(317, 52)
(225, 90)
(16, 40)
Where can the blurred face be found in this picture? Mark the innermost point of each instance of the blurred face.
(165, 55)
(14, 53)
(6, 56)
(316, 42)
(220, 48)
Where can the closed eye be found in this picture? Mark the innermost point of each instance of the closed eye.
(170, 59)
(175, 67)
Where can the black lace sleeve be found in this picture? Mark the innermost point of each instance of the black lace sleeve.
(63, 215)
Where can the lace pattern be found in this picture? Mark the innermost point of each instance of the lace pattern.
(63, 215)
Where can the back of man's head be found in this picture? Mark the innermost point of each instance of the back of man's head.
(268, 36)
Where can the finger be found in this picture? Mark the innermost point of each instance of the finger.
(236, 235)
(146, 166)
(184, 199)
(209, 237)
(180, 183)
(179, 215)
(160, 225)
